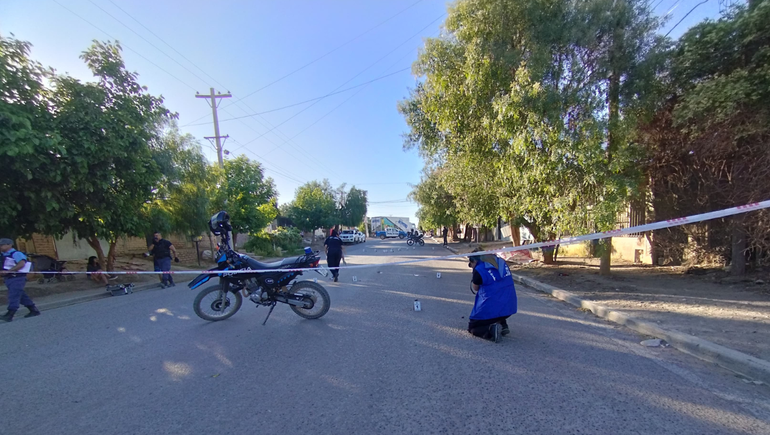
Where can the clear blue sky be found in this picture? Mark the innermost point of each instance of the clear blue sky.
(242, 46)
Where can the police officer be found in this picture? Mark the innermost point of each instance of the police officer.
(495, 297)
(15, 269)
(161, 251)
(333, 247)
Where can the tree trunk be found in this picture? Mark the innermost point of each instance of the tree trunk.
(548, 256)
(93, 242)
(468, 234)
(556, 254)
(111, 257)
(606, 258)
(738, 263)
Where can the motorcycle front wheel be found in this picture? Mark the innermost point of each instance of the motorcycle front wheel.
(422, 243)
(215, 304)
(315, 292)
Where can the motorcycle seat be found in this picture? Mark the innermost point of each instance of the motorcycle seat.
(257, 265)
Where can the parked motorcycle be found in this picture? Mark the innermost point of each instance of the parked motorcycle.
(220, 301)
(415, 238)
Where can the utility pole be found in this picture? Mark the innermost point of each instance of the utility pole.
(214, 103)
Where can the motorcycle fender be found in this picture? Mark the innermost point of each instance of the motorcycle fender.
(199, 281)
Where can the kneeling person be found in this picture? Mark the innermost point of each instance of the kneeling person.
(495, 297)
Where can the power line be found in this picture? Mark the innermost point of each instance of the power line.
(125, 46)
(329, 52)
(685, 16)
(352, 78)
(308, 100)
(197, 76)
(167, 44)
(145, 39)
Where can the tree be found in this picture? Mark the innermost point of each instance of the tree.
(247, 196)
(30, 151)
(352, 207)
(182, 199)
(515, 107)
(436, 205)
(106, 129)
(708, 140)
(313, 206)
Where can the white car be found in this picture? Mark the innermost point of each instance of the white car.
(361, 237)
(348, 236)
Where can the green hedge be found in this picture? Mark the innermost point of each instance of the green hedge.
(287, 239)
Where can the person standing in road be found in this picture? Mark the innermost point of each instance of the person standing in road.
(161, 251)
(14, 272)
(444, 233)
(334, 253)
(495, 297)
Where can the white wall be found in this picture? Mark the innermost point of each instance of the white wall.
(69, 249)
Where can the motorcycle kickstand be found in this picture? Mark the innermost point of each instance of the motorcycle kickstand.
(268, 313)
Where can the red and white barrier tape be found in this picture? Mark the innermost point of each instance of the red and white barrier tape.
(551, 243)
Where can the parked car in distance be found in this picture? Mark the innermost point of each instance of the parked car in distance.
(390, 233)
(348, 236)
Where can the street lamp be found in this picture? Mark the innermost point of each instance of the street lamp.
(197, 239)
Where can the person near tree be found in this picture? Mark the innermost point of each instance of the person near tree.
(162, 251)
(444, 233)
(96, 273)
(14, 273)
(495, 297)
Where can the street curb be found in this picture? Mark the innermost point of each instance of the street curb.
(725, 357)
(88, 298)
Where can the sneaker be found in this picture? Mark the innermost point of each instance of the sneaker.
(173, 284)
(505, 331)
(335, 279)
(163, 285)
(494, 331)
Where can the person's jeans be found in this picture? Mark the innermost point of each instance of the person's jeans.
(16, 293)
(164, 265)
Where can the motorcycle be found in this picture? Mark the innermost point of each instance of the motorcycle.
(415, 238)
(221, 301)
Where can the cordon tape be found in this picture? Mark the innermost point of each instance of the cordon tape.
(551, 243)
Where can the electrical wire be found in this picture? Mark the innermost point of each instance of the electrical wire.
(352, 78)
(306, 101)
(125, 46)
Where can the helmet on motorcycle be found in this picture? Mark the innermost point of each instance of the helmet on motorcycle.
(219, 223)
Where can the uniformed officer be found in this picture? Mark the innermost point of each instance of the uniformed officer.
(15, 269)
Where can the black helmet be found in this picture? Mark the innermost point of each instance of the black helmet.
(219, 223)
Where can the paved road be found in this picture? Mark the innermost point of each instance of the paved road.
(144, 363)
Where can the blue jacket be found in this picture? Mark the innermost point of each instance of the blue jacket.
(497, 295)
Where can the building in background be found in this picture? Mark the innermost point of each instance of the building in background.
(380, 223)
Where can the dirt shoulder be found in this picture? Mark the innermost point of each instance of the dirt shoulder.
(707, 303)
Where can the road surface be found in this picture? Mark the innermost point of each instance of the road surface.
(145, 364)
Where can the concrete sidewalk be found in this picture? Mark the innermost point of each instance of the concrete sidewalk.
(738, 362)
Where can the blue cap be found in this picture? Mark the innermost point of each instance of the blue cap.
(308, 250)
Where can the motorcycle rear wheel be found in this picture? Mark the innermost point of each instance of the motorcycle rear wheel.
(208, 303)
(422, 243)
(316, 292)
(410, 242)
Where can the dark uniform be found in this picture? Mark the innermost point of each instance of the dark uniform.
(333, 253)
(161, 254)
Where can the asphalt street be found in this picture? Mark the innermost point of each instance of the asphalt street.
(145, 364)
